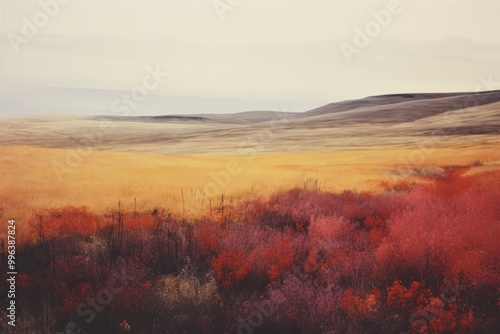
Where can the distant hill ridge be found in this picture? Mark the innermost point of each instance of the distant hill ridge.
(395, 120)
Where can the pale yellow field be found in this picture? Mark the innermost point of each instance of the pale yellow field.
(99, 180)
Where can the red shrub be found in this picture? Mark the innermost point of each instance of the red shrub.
(438, 317)
(209, 236)
(352, 304)
(66, 221)
(357, 307)
(446, 236)
(400, 297)
(311, 263)
(276, 258)
(140, 221)
(230, 267)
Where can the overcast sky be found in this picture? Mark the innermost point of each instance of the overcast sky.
(254, 54)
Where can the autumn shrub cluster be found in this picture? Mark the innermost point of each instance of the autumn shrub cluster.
(419, 259)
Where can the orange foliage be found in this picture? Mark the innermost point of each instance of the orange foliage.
(356, 306)
(68, 220)
(140, 221)
(352, 304)
(230, 267)
(441, 318)
(398, 296)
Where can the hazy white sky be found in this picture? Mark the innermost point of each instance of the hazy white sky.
(261, 21)
(286, 52)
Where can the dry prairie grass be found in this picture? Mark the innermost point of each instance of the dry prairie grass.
(177, 183)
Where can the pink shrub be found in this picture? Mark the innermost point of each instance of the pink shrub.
(446, 234)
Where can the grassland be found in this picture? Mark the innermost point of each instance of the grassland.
(35, 178)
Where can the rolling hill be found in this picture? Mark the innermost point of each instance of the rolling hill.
(398, 120)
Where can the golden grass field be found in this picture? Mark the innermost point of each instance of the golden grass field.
(184, 183)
